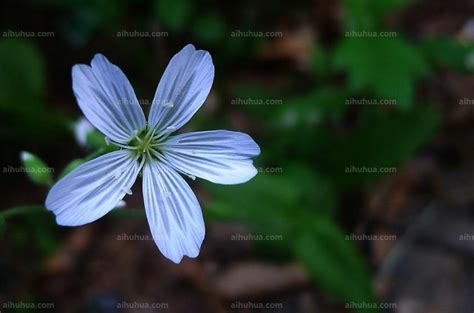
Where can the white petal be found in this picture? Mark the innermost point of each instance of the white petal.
(82, 128)
(107, 99)
(182, 89)
(220, 156)
(173, 212)
(93, 189)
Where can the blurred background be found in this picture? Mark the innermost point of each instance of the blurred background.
(364, 113)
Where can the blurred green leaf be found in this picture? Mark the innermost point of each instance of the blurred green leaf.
(320, 61)
(70, 167)
(44, 233)
(36, 170)
(21, 89)
(312, 109)
(369, 14)
(95, 140)
(448, 52)
(388, 67)
(304, 114)
(21, 73)
(173, 14)
(253, 98)
(381, 141)
(334, 264)
(37, 232)
(275, 202)
(209, 28)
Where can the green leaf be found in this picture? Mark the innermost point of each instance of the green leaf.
(369, 14)
(22, 73)
(275, 205)
(313, 109)
(320, 61)
(387, 67)
(381, 141)
(275, 201)
(173, 14)
(22, 80)
(70, 167)
(209, 28)
(448, 52)
(304, 114)
(95, 140)
(36, 169)
(333, 263)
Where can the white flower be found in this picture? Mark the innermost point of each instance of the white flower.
(82, 128)
(107, 99)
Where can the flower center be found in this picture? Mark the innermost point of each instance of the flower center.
(145, 145)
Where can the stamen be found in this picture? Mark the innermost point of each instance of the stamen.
(117, 173)
(158, 144)
(168, 104)
(124, 146)
(107, 140)
(152, 133)
(135, 134)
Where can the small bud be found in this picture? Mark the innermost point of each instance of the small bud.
(36, 170)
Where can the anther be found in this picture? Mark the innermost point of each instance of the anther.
(168, 104)
(117, 173)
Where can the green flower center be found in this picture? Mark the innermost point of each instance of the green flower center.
(145, 146)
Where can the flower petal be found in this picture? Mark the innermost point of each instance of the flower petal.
(107, 99)
(93, 189)
(182, 89)
(220, 156)
(173, 212)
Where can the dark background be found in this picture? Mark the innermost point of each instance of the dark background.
(364, 114)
